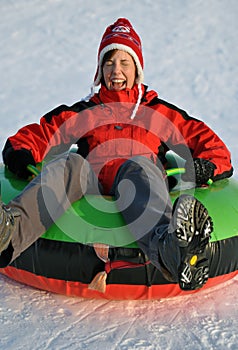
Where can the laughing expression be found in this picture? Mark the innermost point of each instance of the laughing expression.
(119, 71)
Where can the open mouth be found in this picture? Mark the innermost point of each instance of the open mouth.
(118, 84)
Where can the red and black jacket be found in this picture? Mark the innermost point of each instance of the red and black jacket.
(106, 135)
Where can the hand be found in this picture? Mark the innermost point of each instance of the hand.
(17, 162)
(200, 170)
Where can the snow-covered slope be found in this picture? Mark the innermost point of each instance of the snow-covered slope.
(48, 57)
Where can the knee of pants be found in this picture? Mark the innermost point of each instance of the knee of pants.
(79, 165)
(67, 160)
(142, 162)
(76, 162)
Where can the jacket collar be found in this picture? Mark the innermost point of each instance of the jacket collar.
(127, 95)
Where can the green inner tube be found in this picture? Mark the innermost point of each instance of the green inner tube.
(96, 219)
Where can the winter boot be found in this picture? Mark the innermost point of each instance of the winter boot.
(192, 226)
(7, 225)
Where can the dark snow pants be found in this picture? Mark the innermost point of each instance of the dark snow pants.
(141, 197)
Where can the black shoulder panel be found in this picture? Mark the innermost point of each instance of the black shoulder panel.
(159, 101)
(77, 107)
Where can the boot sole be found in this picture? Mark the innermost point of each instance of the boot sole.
(193, 228)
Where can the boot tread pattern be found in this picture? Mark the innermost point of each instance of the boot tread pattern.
(193, 228)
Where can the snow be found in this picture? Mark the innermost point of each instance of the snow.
(48, 57)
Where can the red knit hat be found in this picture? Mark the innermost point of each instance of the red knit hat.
(121, 35)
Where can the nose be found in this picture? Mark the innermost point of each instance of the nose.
(116, 68)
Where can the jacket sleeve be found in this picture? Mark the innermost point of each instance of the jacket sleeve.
(55, 133)
(188, 137)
